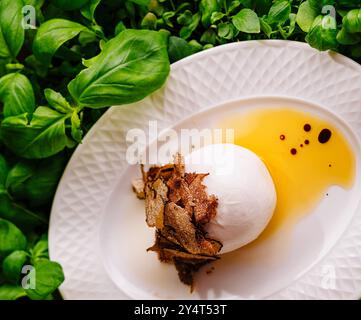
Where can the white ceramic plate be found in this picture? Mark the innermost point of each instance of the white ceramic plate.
(97, 228)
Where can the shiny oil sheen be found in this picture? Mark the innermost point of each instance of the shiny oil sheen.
(302, 168)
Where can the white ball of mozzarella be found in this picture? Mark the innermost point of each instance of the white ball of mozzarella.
(245, 190)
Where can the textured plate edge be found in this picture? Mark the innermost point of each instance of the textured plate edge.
(345, 61)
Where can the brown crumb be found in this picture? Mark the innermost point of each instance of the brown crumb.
(138, 188)
(210, 270)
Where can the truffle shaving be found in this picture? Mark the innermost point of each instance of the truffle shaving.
(178, 206)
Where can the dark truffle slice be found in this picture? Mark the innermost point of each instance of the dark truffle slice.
(156, 196)
(138, 188)
(187, 268)
(187, 264)
(186, 233)
(178, 205)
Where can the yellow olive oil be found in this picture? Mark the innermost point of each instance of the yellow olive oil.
(304, 154)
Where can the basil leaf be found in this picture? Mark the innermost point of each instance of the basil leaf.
(279, 12)
(8, 292)
(179, 48)
(319, 4)
(42, 137)
(11, 238)
(156, 7)
(195, 45)
(89, 62)
(36, 181)
(119, 28)
(247, 21)
(188, 29)
(89, 8)
(226, 30)
(166, 20)
(49, 276)
(356, 51)
(40, 69)
(292, 25)
(86, 37)
(11, 28)
(207, 8)
(18, 175)
(216, 16)
(4, 169)
(352, 21)
(57, 101)
(40, 188)
(209, 36)
(18, 214)
(305, 16)
(76, 131)
(17, 94)
(185, 18)
(69, 4)
(235, 4)
(13, 264)
(40, 250)
(141, 2)
(149, 21)
(349, 3)
(265, 27)
(322, 35)
(286, 31)
(35, 3)
(347, 38)
(51, 35)
(131, 66)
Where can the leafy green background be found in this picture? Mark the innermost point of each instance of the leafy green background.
(57, 79)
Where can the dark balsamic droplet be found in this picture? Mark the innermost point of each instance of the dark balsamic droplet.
(307, 127)
(307, 142)
(301, 145)
(282, 137)
(293, 151)
(324, 136)
(329, 165)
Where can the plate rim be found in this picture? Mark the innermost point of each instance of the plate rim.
(175, 66)
(341, 124)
